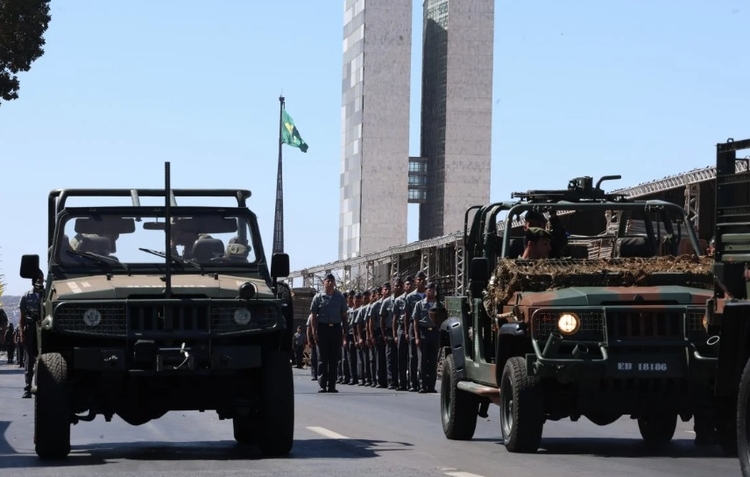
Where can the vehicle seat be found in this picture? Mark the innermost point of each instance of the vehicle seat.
(95, 244)
(628, 247)
(205, 249)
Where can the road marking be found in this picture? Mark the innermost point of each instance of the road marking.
(327, 433)
(462, 474)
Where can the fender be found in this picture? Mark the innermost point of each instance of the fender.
(452, 337)
(734, 347)
(512, 340)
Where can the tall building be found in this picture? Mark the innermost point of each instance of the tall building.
(456, 111)
(375, 119)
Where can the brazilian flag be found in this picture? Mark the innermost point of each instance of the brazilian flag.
(289, 133)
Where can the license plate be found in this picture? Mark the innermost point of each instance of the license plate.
(647, 366)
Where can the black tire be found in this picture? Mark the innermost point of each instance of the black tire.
(459, 408)
(51, 407)
(743, 421)
(521, 408)
(276, 417)
(657, 428)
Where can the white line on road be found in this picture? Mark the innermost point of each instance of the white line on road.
(462, 474)
(327, 433)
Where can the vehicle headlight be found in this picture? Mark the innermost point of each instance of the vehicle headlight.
(242, 316)
(568, 323)
(92, 317)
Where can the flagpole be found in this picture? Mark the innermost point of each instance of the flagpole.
(278, 226)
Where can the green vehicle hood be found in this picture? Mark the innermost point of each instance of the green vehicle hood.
(602, 296)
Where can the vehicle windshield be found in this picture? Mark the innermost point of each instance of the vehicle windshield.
(118, 241)
(631, 230)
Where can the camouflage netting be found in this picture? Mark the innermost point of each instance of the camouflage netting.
(512, 276)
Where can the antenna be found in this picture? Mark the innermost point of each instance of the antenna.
(168, 230)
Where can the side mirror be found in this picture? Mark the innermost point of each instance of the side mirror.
(480, 269)
(280, 265)
(30, 266)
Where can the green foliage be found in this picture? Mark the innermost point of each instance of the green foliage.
(22, 27)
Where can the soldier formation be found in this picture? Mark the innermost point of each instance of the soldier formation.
(386, 337)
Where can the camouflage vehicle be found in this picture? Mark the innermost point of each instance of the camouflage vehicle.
(163, 307)
(612, 327)
(729, 312)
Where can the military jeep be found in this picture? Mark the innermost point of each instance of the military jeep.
(162, 307)
(613, 325)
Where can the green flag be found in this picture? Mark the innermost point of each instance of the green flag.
(290, 134)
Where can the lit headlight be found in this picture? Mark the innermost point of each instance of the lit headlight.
(92, 317)
(242, 316)
(568, 323)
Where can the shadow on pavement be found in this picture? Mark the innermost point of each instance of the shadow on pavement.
(104, 453)
(636, 448)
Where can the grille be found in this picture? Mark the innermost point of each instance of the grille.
(222, 318)
(640, 325)
(184, 317)
(592, 325)
(69, 318)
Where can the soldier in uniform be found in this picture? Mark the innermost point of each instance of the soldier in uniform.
(411, 300)
(329, 316)
(298, 342)
(558, 234)
(402, 333)
(427, 337)
(378, 357)
(3, 326)
(538, 244)
(10, 345)
(360, 332)
(351, 340)
(389, 326)
(342, 371)
(31, 311)
(313, 349)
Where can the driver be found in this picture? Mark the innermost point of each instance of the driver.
(184, 238)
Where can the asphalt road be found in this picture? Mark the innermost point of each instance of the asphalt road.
(360, 431)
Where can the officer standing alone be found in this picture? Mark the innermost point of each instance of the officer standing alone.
(329, 317)
(31, 309)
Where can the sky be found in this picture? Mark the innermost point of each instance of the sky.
(641, 89)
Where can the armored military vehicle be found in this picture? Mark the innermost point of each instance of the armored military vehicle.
(161, 307)
(611, 325)
(728, 313)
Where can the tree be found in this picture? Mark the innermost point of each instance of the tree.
(22, 27)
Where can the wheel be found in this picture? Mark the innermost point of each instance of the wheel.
(276, 416)
(51, 407)
(743, 421)
(459, 408)
(521, 408)
(657, 428)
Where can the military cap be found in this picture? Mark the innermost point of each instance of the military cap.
(358, 295)
(330, 277)
(397, 281)
(366, 293)
(431, 285)
(409, 278)
(537, 233)
(421, 274)
(351, 293)
(534, 215)
(387, 285)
